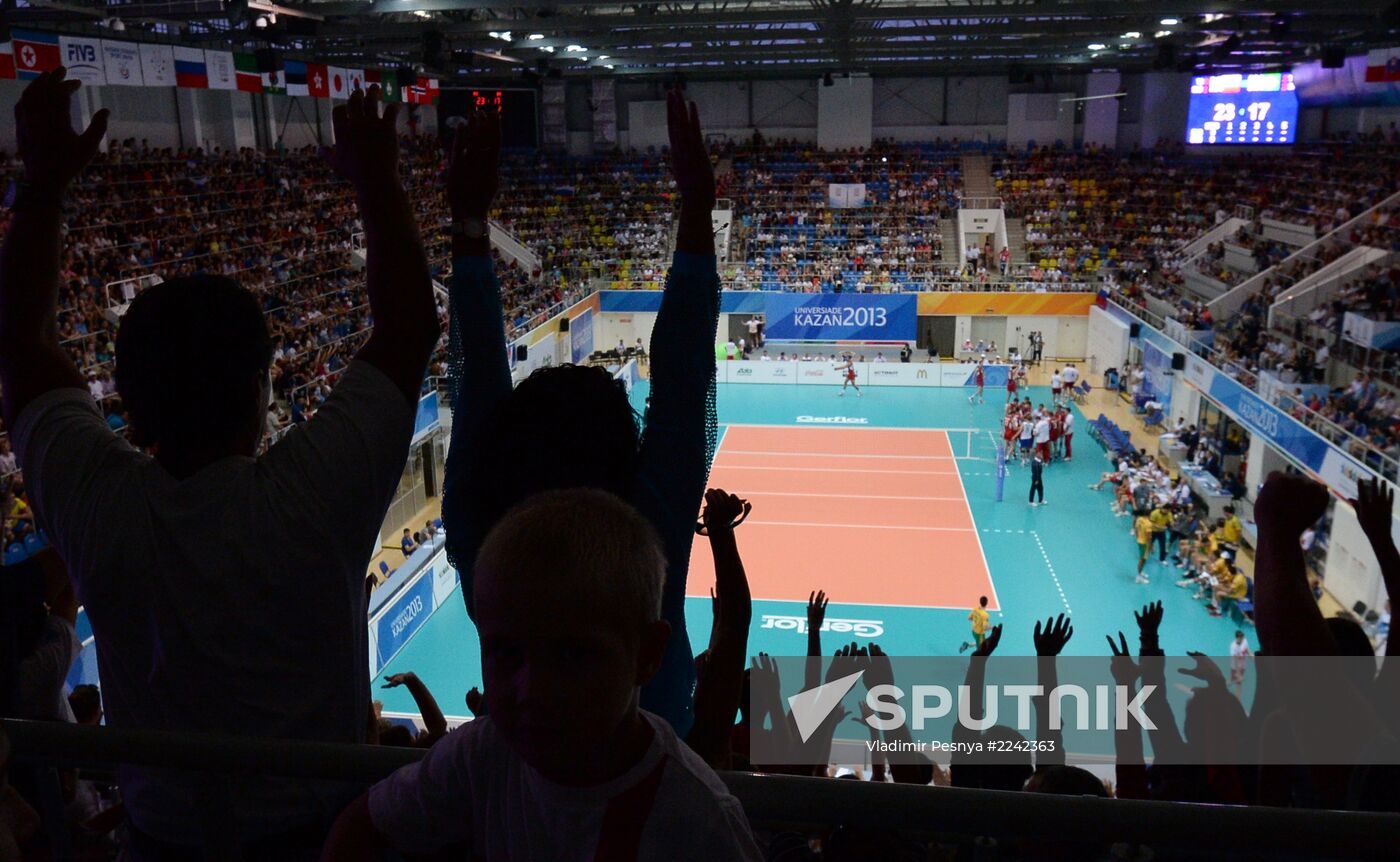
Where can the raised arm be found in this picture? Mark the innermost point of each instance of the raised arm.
(1049, 642)
(1374, 504)
(396, 271)
(480, 372)
(434, 724)
(31, 360)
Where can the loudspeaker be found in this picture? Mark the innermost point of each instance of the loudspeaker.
(563, 324)
(1334, 57)
(1178, 361)
(1359, 609)
(268, 60)
(522, 352)
(1134, 330)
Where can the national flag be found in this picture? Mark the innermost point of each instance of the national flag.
(35, 53)
(83, 60)
(340, 82)
(245, 73)
(122, 63)
(1383, 65)
(274, 82)
(388, 82)
(190, 70)
(424, 92)
(317, 83)
(357, 79)
(158, 65)
(221, 72)
(295, 71)
(7, 60)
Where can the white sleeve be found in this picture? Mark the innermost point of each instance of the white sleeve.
(346, 461)
(427, 805)
(42, 673)
(74, 466)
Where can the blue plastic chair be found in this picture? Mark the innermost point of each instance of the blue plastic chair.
(15, 554)
(33, 544)
(383, 568)
(1154, 420)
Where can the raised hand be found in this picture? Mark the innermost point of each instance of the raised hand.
(989, 643)
(878, 669)
(366, 144)
(476, 702)
(398, 679)
(53, 153)
(1052, 639)
(690, 160)
(763, 671)
(723, 511)
(1289, 504)
(474, 166)
(816, 611)
(1149, 620)
(1374, 503)
(1124, 669)
(1206, 670)
(847, 660)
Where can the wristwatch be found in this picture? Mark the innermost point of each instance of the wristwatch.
(471, 228)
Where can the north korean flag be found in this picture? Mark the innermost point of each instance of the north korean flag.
(35, 53)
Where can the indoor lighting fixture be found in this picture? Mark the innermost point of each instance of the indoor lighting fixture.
(609, 66)
(1132, 34)
(1162, 33)
(602, 56)
(575, 49)
(535, 36)
(1097, 46)
(260, 22)
(422, 14)
(584, 58)
(548, 49)
(1170, 22)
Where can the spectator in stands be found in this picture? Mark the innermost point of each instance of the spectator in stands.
(569, 605)
(502, 437)
(178, 556)
(48, 642)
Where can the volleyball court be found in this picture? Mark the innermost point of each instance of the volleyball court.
(873, 516)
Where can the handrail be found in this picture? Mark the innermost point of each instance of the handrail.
(772, 799)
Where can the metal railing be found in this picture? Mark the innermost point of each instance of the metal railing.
(771, 802)
(980, 203)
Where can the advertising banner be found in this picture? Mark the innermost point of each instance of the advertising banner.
(841, 317)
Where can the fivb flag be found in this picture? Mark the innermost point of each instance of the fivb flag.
(1383, 65)
(158, 65)
(845, 195)
(222, 75)
(122, 63)
(190, 70)
(83, 59)
(35, 53)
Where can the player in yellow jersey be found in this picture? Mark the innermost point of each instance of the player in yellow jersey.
(979, 618)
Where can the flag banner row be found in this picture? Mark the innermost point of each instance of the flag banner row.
(112, 63)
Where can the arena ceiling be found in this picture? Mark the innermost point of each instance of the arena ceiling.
(753, 38)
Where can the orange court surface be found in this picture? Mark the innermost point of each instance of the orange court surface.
(876, 516)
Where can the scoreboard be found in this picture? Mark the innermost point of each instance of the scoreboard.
(517, 107)
(1243, 109)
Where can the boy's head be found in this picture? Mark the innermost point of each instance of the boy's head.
(982, 602)
(1239, 636)
(568, 606)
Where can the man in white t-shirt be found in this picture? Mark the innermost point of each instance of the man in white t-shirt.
(1069, 435)
(225, 588)
(1042, 437)
(565, 766)
(753, 324)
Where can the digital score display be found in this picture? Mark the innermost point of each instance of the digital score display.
(519, 117)
(1243, 109)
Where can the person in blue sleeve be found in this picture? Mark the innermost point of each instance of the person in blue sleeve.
(572, 426)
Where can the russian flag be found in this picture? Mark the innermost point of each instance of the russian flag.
(190, 68)
(35, 53)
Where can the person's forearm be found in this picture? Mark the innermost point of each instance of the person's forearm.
(396, 272)
(695, 233)
(731, 583)
(29, 268)
(1167, 745)
(1287, 616)
(433, 720)
(1048, 679)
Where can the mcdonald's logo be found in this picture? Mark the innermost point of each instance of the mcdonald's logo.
(921, 374)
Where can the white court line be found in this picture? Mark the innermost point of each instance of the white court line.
(745, 493)
(866, 527)
(841, 455)
(837, 470)
(842, 427)
(991, 582)
(803, 603)
(1053, 576)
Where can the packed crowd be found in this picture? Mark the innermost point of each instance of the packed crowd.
(790, 238)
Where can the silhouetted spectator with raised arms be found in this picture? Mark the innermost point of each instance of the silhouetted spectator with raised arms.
(187, 551)
(572, 426)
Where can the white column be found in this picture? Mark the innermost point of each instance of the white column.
(187, 112)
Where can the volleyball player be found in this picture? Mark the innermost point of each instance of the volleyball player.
(1010, 386)
(980, 379)
(850, 377)
(1056, 381)
(1027, 434)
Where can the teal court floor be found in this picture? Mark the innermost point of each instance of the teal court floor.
(1071, 555)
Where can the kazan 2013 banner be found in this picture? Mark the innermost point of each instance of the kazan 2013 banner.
(841, 317)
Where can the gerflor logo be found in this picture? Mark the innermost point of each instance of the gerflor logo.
(833, 420)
